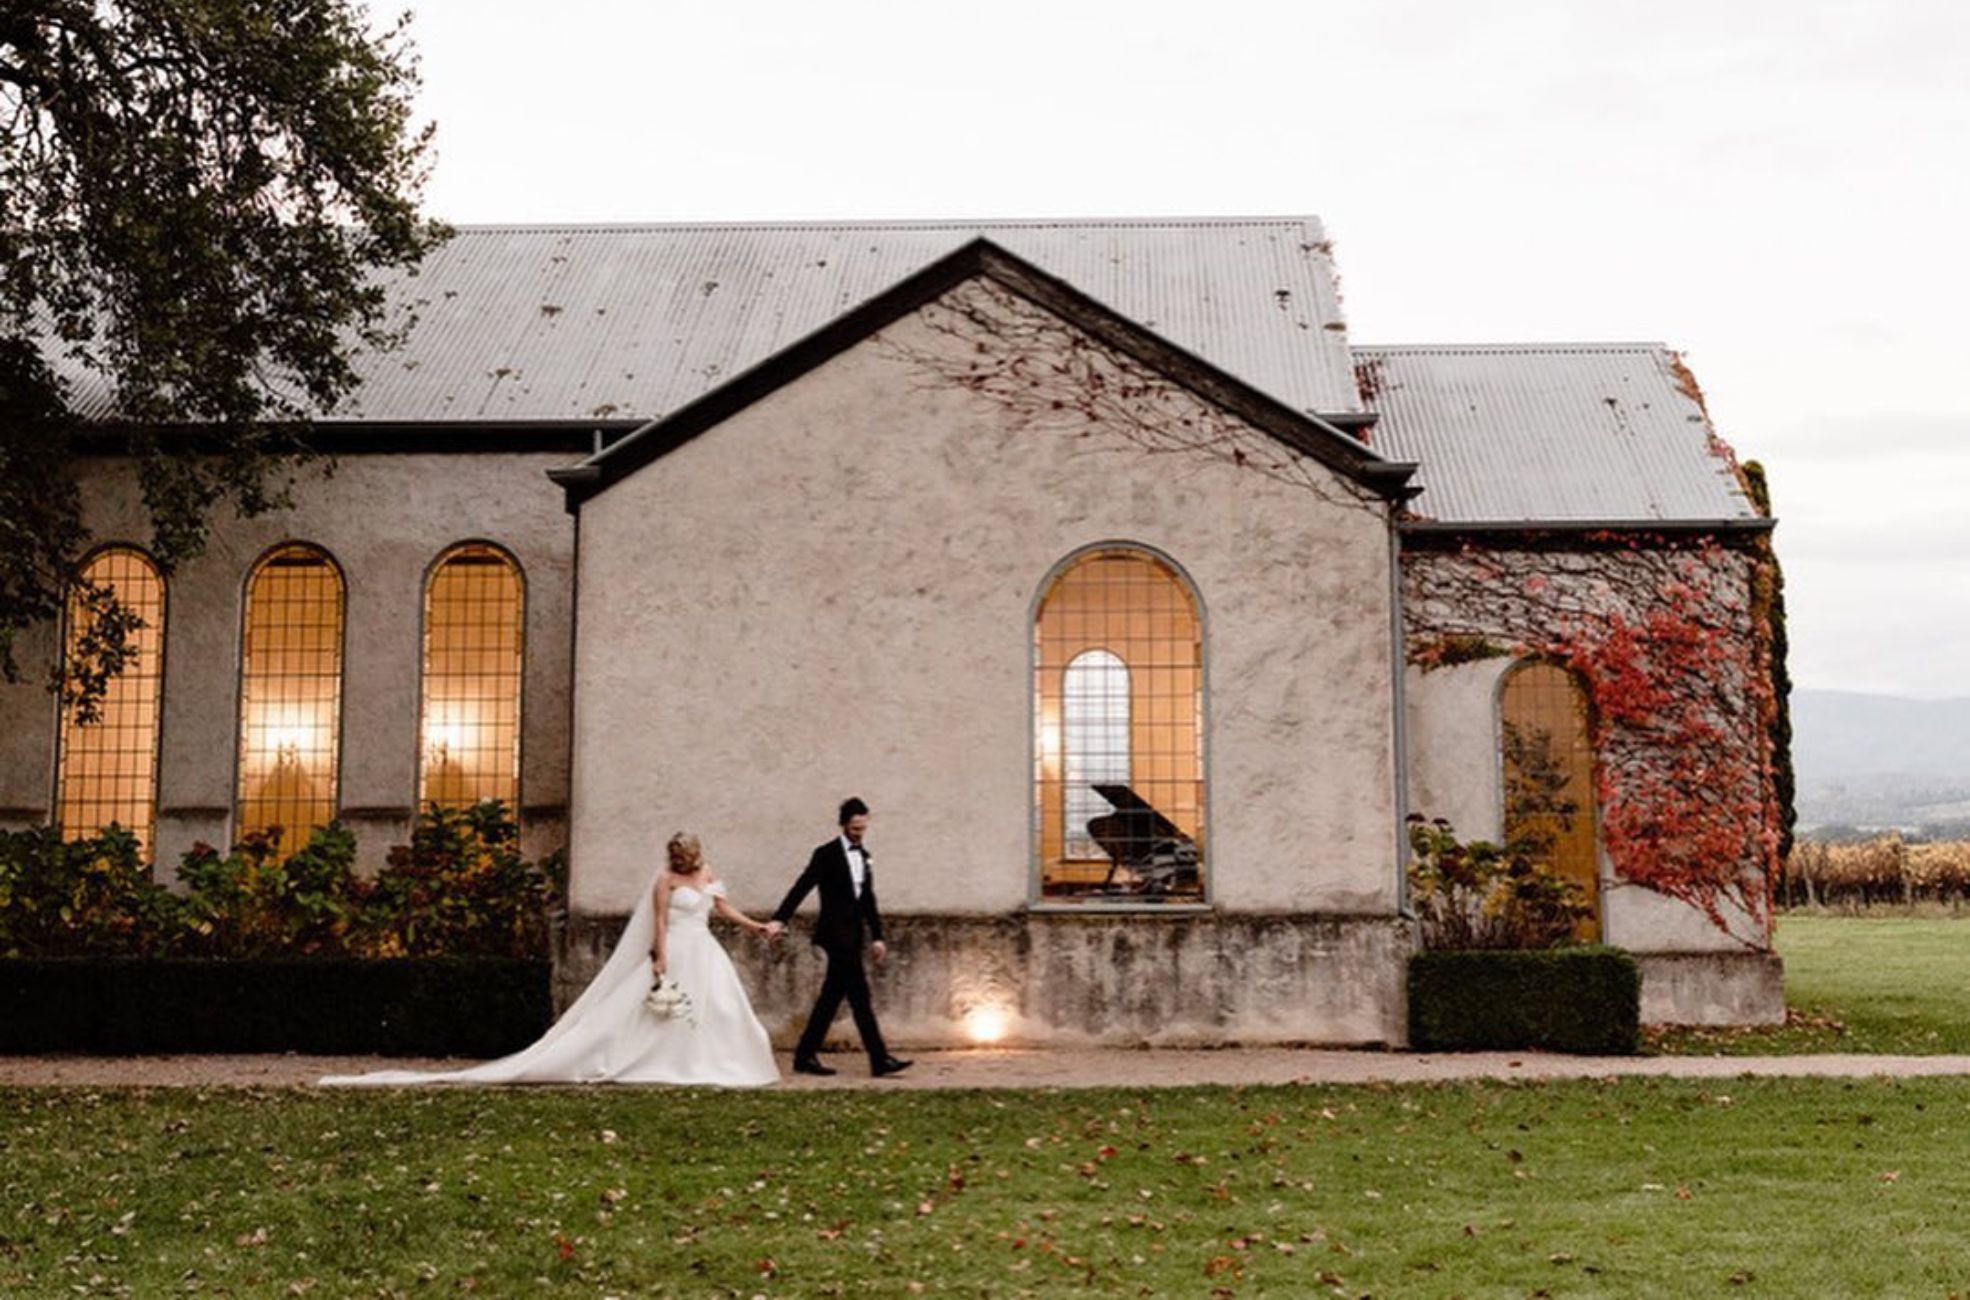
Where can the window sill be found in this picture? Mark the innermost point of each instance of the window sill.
(1109, 907)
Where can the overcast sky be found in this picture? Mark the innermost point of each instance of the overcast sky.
(1780, 189)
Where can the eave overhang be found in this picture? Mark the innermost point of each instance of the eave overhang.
(1428, 534)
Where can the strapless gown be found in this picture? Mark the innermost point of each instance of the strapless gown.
(609, 1036)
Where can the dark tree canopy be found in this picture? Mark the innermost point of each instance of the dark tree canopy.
(195, 199)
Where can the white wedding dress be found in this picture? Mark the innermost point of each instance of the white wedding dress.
(609, 1036)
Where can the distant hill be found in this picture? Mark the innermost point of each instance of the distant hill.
(1880, 760)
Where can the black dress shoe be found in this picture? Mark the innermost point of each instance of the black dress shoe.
(888, 1065)
(808, 1065)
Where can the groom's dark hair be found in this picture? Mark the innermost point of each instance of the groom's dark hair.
(852, 807)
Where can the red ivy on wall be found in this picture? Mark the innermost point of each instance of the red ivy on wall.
(1679, 683)
(1686, 804)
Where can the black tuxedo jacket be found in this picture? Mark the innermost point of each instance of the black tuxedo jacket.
(845, 919)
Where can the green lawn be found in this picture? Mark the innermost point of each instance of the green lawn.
(1861, 984)
(1638, 1187)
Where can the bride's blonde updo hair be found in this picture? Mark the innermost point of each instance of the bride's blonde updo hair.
(687, 856)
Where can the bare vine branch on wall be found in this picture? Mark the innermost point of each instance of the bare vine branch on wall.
(1046, 374)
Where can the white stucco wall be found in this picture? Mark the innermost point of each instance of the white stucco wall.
(1453, 746)
(385, 519)
(831, 593)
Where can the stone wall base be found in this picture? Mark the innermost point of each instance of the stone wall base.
(1712, 988)
(1082, 979)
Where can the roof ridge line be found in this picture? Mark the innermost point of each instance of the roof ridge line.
(910, 223)
(1576, 345)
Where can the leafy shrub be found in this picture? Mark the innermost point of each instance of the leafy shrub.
(460, 887)
(1485, 895)
(1580, 999)
(80, 897)
(247, 903)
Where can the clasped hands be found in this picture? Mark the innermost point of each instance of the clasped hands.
(776, 930)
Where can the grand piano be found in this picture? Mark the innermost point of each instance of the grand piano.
(1148, 856)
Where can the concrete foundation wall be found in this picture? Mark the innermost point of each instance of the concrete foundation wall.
(385, 519)
(1069, 980)
(1712, 988)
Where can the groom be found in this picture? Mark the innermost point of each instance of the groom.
(840, 870)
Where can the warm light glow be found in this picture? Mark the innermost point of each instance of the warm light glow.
(1050, 739)
(473, 658)
(287, 744)
(290, 696)
(441, 740)
(986, 1023)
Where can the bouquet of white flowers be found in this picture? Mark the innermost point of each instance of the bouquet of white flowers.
(667, 1000)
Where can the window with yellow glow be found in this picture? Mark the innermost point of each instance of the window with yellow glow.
(1547, 766)
(474, 608)
(1118, 747)
(290, 695)
(107, 766)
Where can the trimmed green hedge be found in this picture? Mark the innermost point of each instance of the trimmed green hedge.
(426, 1006)
(1585, 1000)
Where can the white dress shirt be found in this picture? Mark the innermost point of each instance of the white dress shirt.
(858, 867)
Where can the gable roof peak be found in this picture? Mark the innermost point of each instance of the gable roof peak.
(982, 257)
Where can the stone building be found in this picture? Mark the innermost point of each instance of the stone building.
(1141, 606)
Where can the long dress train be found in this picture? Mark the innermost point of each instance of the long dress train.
(609, 1036)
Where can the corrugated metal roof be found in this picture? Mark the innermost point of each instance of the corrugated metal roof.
(632, 322)
(1549, 433)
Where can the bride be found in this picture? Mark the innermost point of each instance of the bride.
(707, 1036)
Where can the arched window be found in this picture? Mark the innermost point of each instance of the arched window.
(1547, 766)
(474, 605)
(107, 764)
(290, 695)
(1119, 737)
(1094, 743)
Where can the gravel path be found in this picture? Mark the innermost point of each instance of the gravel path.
(1033, 1068)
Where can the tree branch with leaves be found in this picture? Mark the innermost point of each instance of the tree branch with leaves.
(197, 198)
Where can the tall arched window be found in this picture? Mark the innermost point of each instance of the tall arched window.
(1119, 738)
(1094, 744)
(1547, 766)
(290, 695)
(107, 764)
(474, 607)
